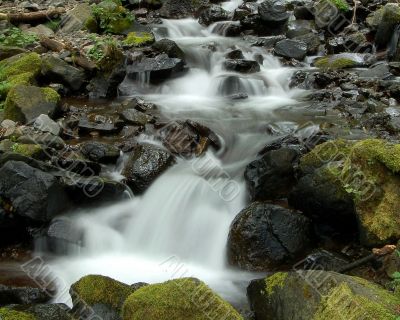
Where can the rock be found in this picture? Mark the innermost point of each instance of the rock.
(235, 54)
(241, 65)
(352, 181)
(32, 193)
(321, 295)
(265, 236)
(45, 124)
(139, 39)
(170, 48)
(180, 299)
(356, 42)
(344, 60)
(75, 19)
(26, 103)
(312, 42)
(144, 165)
(41, 31)
(271, 176)
(57, 311)
(135, 117)
(100, 152)
(273, 11)
(7, 52)
(329, 15)
(297, 28)
(104, 128)
(105, 85)
(178, 9)
(289, 48)
(213, 14)
(43, 139)
(390, 18)
(104, 296)
(158, 69)
(22, 295)
(321, 260)
(57, 70)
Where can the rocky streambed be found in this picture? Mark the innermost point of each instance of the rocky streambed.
(199, 160)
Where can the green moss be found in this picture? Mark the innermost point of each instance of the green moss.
(335, 63)
(138, 39)
(51, 95)
(276, 280)
(23, 79)
(7, 314)
(179, 299)
(28, 150)
(21, 63)
(343, 303)
(96, 289)
(342, 5)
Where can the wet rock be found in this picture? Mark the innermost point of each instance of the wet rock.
(57, 311)
(144, 165)
(43, 139)
(22, 295)
(242, 66)
(105, 85)
(297, 28)
(158, 69)
(321, 260)
(45, 124)
(100, 152)
(273, 175)
(390, 18)
(178, 9)
(32, 193)
(330, 15)
(26, 103)
(174, 298)
(57, 70)
(104, 297)
(132, 116)
(170, 48)
(344, 60)
(303, 11)
(291, 49)
(78, 166)
(213, 14)
(319, 294)
(273, 11)
(265, 236)
(86, 125)
(356, 42)
(312, 42)
(235, 54)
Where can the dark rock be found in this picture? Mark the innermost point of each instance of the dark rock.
(235, 54)
(321, 260)
(79, 166)
(170, 48)
(291, 49)
(390, 18)
(144, 165)
(57, 311)
(7, 52)
(33, 194)
(132, 116)
(273, 175)
(57, 70)
(105, 85)
(303, 12)
(267, 42)
(100, 152)
(159, 68)
(312, 42)
(22, 295)
(273, 11)
(213, 14)
(242, 66)
(178, 9)
(106, 128)
(297, 28)
(265, 236)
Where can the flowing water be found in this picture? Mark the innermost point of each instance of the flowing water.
(179, 227)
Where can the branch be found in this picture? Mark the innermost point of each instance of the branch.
(32, 16)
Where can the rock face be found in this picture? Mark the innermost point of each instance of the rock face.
(33, 194)
(213, 14)
(104, 295)
(180, 299)
(157, 69)
(343, 181)
(305, 295)
(289, 48)
(144, 165)
(241, 65)
(26, 103)
(57, 70)
(263, 236)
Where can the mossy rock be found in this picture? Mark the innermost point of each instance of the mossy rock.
(34, 151)
(368, 171)
(8, 314)
(339, 61)
(25, 103)
(105, 295)
(139, 39)
(19, 64)
(321, 295)
(390, 18)
(179, 299)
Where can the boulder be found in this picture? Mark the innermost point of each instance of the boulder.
(25, 103)
(330, 14)
(170, 48)
(40, 31)
(213, 14)
(7, 51)
(297, 28)
(85, 125)
(56, 311)
(317, 294)
(144, 165)
(180, 299)
(22, 295)
(241, 65)
(289, 48)
(105, 84)
(75, 19)
(45, 124)
(100, 152)
(344, 60)
(32, 193)
(273, 11)
(104, 296)
(390, 18)
(57, 70)
(264, 236)
(158, 69)
(178, 9)
(139, 39)
(132, 116)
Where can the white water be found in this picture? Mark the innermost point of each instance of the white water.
(179, 227)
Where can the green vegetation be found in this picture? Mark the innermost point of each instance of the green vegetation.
(179, 299)
(8, 314)
(53, 24)
(16, 38)
(29, 150)
(276, 280)
(342, 5)
(335, 63)
(139, 39)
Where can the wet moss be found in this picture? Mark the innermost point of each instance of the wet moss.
(7, 314)
(28, 150)
(179, 299)
(19, 79)
(19, 64)
(139, 39)
(96, 289)
(276, 280)
(335, 63)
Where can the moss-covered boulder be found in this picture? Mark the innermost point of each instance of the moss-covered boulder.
(341, 61)
(320, 295)
(34, 151)
(367, 173)
(25, 103)
(103, 294)
(180, 299)
(9, 51)
(390, 18)
(139, 39)
(56, 311)
(8, 314)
